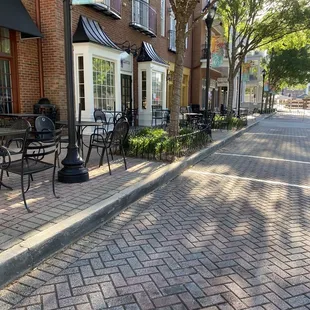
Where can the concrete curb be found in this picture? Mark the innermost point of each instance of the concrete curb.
(23, 257)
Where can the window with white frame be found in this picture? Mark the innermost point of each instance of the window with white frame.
(162, 17)
(104, 83)
(81, 89)
(144, 89)
(157, 88)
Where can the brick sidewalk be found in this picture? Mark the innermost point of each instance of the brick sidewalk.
(232, 232)
(16, 225)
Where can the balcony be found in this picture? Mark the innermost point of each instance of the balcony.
(110, 7)
(172, 41)
(144, 18)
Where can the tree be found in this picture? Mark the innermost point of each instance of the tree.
(290, 67)
(183, 10)
(252, 24)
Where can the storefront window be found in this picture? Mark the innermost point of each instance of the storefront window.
(143, 89)
(5, 45)
(5, 72)
(81, 81)
(104, 84)
(157, 88)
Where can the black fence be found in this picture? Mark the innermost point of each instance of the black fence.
(164, 148)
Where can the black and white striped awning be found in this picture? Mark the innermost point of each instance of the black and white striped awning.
(89, 30)
(147, 53)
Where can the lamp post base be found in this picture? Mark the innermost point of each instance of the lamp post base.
(73, 170)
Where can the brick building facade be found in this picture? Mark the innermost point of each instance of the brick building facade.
(37, 66)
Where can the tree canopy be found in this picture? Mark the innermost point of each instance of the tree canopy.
(289, 67)
(253, 24)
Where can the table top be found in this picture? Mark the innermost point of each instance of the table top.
(193, 114)
(4, 132)
(81, 123)
(19, 115)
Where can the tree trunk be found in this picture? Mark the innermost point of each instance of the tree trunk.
(266, 102)
(273, 97)
(177, 79)
(230, 90)
(270, 99)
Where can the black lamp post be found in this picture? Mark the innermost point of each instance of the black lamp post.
(264, 75)
(73, 170)
(209, 21)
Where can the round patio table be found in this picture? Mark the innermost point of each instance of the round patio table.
(81, 125)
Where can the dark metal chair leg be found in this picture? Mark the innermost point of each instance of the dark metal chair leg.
(101, 157)
(2, 184)
(53, 182)
(111, 154)
(123, 153)
(28, 186)
(108, 161)
(23, 193)
(88, 155)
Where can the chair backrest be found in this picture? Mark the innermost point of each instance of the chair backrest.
(195, 108)
(120, 131)
(99, 115)
(43, 123)
(20, 124)
(183, 110)
(38, 144)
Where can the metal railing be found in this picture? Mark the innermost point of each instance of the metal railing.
(172, 40)
(113, 6)
(165, 148)
(144, 17)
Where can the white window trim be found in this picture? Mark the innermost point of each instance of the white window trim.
(145, 115)
(88, 51)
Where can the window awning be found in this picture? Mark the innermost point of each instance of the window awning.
(13, 15)
(147, 53)
(89, 30)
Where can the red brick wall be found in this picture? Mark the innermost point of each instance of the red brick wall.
(52, 27)
(53, 53)
(28, 67)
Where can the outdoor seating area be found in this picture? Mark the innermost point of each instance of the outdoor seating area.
(33, 144)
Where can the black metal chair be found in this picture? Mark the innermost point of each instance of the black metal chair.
(206, 123)
(44, 123)
(20, 124)
(36, 145)
(109, 140)
(100, 117)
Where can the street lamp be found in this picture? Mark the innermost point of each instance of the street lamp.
(264, 75)
(209, 21)
(73, 170)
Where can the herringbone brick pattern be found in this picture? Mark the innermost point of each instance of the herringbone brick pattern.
(203, 241)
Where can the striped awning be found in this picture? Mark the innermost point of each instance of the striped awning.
(89, 30)
(148, 53)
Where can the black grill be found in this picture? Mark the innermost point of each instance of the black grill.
(45, 107)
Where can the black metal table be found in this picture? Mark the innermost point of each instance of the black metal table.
(19, 115)
(81, 125)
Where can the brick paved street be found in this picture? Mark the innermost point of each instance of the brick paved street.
(232, 232)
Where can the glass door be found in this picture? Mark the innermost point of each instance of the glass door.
(126, 86)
